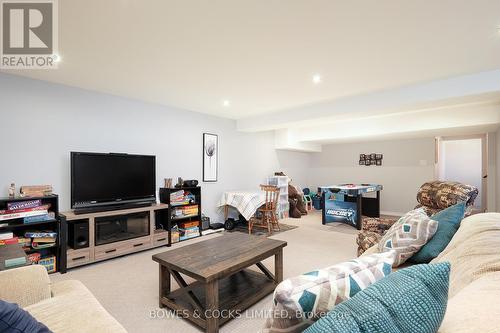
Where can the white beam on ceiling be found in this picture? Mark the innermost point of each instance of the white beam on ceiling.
(475, 87)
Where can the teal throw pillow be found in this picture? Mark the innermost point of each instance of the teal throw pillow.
(413, 300)
(448, 223)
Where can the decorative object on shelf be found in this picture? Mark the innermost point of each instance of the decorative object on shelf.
(168, 182)
(12, 190)
(185, 183)
(180, 183)
(371, 159)
(36, 190)
(210, 157)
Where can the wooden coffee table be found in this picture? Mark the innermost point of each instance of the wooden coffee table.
(224, 286)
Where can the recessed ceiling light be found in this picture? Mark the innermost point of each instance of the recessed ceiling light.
(316, 78)
(226, 103)
(56, 57)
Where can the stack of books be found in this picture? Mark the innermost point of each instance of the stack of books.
(190, 224)
(32, 240)
(11, 253)
(32, 211)
(7, 238)
(185, 211)
(34, 257)
(35, 243)
(24, 242)
(49, 263)
(41, 239)
(188, 233)
(178, 198)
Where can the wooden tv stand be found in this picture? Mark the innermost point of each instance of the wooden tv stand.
(94, 253)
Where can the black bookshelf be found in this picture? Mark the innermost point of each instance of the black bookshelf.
(19, 228)
(168, 220)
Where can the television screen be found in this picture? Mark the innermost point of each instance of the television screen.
(110, 178)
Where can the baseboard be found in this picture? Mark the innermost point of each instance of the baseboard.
(392, 213)
(211, 231)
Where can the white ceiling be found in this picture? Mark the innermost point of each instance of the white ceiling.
(261, 55)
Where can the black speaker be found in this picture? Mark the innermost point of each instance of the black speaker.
(78, 234)
(190, 183)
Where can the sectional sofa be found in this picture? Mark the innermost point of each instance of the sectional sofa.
(66, 306)
(474, 289)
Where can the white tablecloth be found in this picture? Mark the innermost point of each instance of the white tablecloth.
(245, 202)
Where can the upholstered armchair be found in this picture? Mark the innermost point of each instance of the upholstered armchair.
(433, 196)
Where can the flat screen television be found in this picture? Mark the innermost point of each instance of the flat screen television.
(99, 180)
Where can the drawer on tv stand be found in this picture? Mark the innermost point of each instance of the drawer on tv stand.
(119, 248)
(78, 257)
(160, 239)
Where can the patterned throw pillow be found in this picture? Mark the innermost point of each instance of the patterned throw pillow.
(412, 300)
(408, 235)
(448, 224)
(300, 301)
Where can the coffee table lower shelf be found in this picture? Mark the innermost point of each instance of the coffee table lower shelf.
(236, 293)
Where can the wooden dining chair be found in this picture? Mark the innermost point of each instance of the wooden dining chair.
(267, 211)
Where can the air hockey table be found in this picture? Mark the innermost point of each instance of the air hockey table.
(347, 203)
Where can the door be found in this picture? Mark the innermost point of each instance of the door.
(464, 159)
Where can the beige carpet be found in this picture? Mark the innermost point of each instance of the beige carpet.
(128, 286)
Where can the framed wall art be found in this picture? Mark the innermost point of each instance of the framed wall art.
(371, 159)
(210, 157)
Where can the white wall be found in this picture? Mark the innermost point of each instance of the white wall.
(40, 123)
(407, 164)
